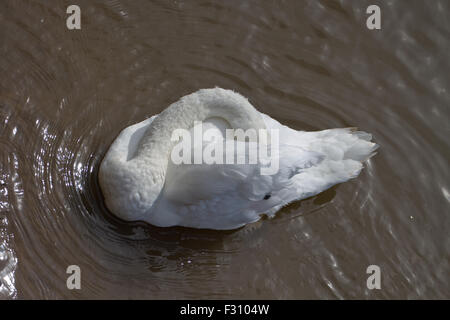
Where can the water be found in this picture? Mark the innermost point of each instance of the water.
(65, 95)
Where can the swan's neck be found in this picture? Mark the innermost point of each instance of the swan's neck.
(202, 105)
(155, 146)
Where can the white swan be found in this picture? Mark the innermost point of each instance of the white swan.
(140, 182)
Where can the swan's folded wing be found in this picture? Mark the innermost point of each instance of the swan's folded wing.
(191, 183)
(194, 182)
(285, 164)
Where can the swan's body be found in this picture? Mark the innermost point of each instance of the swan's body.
(139, 181)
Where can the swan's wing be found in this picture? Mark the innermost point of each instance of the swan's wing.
(191, 183)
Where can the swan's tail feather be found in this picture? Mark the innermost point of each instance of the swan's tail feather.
(362, 149)
(344, 150)
(345, 143)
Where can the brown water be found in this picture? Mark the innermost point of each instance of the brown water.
(65, 95)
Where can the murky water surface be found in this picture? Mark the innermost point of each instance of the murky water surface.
(65, 95)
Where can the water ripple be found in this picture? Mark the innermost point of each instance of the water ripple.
(313, 65)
